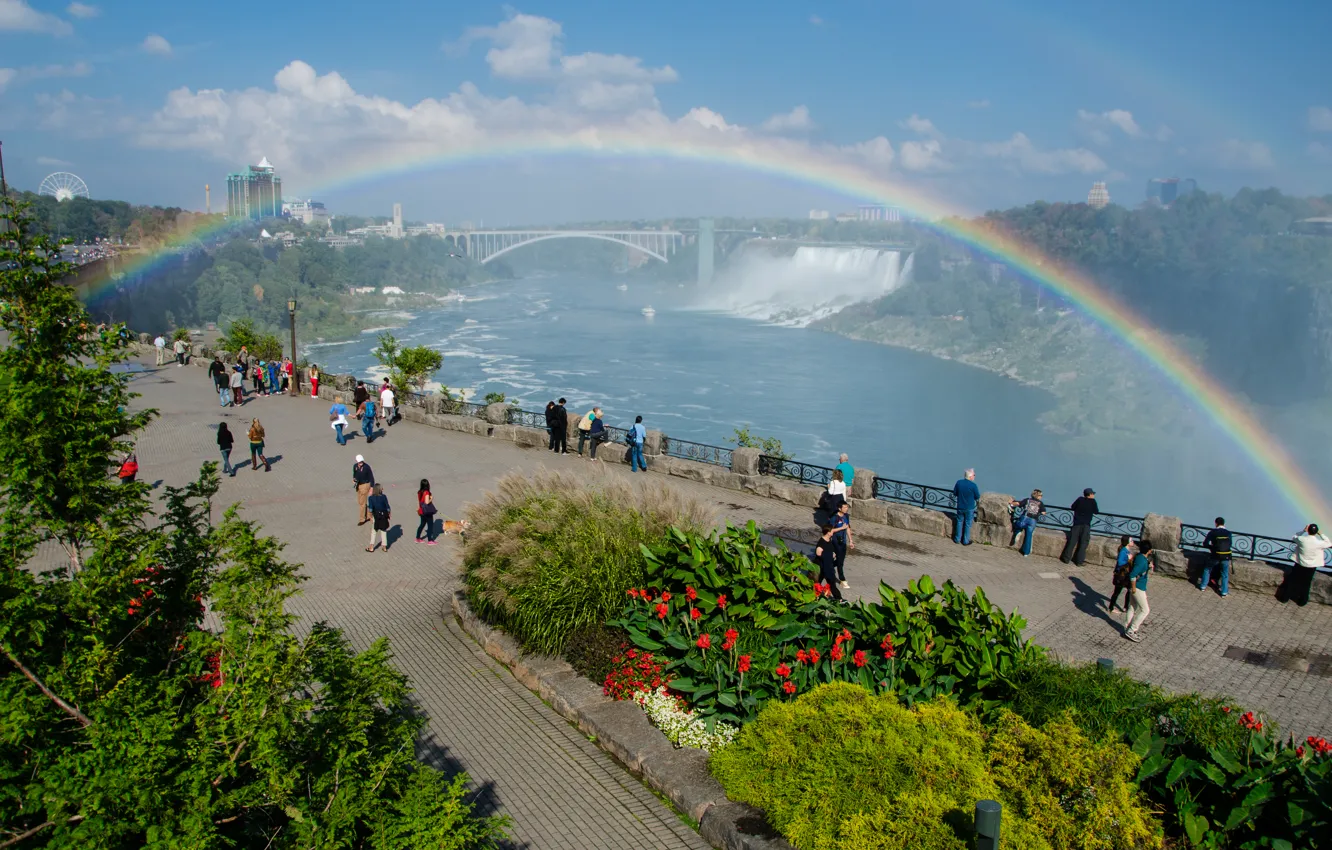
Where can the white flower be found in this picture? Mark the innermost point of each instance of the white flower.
(680, 725)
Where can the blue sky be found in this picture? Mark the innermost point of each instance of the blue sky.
(978, 104)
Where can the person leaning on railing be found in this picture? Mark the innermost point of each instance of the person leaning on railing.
(1309, 548)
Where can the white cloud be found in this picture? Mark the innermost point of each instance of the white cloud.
(924, 156)
(1021, 155)
(7, 76)
(816, 20)
(785, 122)
(877, 151)
(978, 104)
(1320, 119)
(83, 116)
(154, 43)
(1240, 155)
(82, 10)
(1100, 127)
(78, 69)
(50, 160)
(18, 16)
(920, 126)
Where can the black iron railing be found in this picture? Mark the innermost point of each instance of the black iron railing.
(805, 473)
(441, 404)
(526, 418)
(701, 452)
(616, 435)
(1255, 547)
(1104, 525)
(921, 495)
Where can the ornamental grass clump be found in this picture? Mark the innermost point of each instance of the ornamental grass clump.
(554, 552)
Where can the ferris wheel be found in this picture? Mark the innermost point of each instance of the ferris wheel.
(63, 185)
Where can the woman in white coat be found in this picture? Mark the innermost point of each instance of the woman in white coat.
(1309, 548)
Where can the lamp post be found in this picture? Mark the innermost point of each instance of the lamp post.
(295, 373)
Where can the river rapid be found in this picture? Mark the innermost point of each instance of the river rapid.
(698, 374)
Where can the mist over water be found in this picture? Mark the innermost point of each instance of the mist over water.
(796, 290)
(698, 374)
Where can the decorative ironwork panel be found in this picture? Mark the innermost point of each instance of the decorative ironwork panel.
(805, 473)
(701, 452)
(526, 418)
(1256, 547)
(922, 495)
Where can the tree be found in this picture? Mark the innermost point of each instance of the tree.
(240, 334)
(770, 446)
(409, 368)
(129, 719)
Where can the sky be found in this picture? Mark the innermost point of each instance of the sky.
(975, 103)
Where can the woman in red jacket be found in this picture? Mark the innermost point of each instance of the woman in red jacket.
(425, 508)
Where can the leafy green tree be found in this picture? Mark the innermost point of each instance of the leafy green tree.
(180, 333)
(495, 398)
(132, 721)
(408, 368)
(770, 446)
(240, 334)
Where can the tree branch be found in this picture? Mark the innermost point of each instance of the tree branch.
(18, 839)
(64, 706)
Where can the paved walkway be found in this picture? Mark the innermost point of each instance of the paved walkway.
(528, 762)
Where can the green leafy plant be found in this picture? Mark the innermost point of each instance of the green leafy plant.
(552, 553)
(409, 368)
(133, 720)
(495, 398)
(181, 334)
(240, 334)
(770, 446)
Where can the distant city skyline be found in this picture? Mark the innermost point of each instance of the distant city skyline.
(1018, 105)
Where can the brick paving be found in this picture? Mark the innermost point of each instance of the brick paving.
(528, 762)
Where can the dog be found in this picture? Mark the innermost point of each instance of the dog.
(458, 527)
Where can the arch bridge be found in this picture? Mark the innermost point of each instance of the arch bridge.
(486, 245)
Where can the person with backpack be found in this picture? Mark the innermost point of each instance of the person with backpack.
(257, 447)
(425, 508)
(180, 352)
(1120, 577)
(379, 510)
(585, 427)
(129, 468)
(1026, 514)
(1137, 609)
(636, 437)
(367, 413)
(1217, 542)
(224, 443)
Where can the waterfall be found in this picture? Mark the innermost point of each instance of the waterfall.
(813, 283)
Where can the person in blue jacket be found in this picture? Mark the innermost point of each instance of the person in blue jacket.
(967, 494)
(1137, 602)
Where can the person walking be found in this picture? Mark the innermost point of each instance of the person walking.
(129, 469)
(1309, 549)
(826, 556)
(1084, 510)
(1218, 542)
(257, 447)
(425, 508)
(224, 443)
(387, 402)
(1138, 609)
(314, 381)
(585, 428)
(1027, 513)
(560, 430)
(359, 395)
(597, 434)
(180, 352)
(160, 345)
(274, 385)
(842, 540)
(221, 381)
(243, 358)
(637, 437)
(367, 413)
(337, 417)
(379, 510)
(967, 496)
(237, 381)
(848, 471)
(363, 478)
(1120, 577)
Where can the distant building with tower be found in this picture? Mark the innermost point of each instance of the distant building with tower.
(1099, 196)
(255, 193)
(396, 232)
(308, 212)
(1164, 191)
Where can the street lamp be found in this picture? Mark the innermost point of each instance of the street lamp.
(295, 373)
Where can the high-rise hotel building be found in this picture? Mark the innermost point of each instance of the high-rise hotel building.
(256, 193)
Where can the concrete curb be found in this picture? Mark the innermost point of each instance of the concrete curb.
(624, 731)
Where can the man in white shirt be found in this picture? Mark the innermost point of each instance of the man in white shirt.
(1309, 548)
(386, 401)
(160, 345)
(180, 353)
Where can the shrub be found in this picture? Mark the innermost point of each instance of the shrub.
(554, 552)
(842, 768)
(593, 650)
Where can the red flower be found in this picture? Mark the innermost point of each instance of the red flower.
(1320, 745)
(789, 686)
(633, 593)
(665, 597)
(691, 593)
(802, 656)
(889, 654)
(132, 610)
(732, 635)
(813, 655)
(783, 670)
(837, 652)
(704, 641)
(821, 589)
(1299, 751)
(633, 653)
(743, 664)
(694, 613)
(846, 634)
(1226, 709)
(858, 658)
(662, 611)
(721, 601)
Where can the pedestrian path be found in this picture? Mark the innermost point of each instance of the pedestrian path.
(525, 760)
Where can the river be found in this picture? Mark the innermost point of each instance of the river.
(698, 375)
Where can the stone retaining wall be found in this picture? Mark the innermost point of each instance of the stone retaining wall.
(623, 730)
(992, 526)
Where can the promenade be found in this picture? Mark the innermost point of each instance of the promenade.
(527, 762)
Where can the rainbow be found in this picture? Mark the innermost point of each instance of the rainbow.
(808, 166)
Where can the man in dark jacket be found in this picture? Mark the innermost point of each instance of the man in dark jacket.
(559, 425)
(359, 395)
(363, 479)
(1084, 510)
(1217, 542)
(967, 495)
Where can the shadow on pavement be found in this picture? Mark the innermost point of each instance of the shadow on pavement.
(1091, 601)
(485, 797)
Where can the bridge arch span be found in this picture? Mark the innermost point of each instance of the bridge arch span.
(575, 235)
